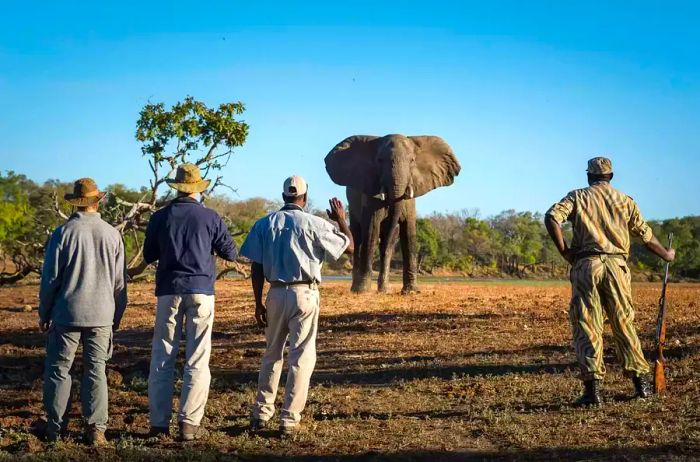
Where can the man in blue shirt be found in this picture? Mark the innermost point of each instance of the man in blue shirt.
(184, 237)
(288, 248)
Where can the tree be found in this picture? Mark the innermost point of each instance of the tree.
(187, 132)
(27, 218)
(520, 238)
(428, 243)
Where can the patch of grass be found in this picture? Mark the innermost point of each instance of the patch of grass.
(478, 369)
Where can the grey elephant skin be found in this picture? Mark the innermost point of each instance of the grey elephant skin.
(384, 176)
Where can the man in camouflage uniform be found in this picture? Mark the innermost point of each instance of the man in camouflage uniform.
(602, 218)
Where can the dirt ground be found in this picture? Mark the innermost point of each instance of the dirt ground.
(461, 370)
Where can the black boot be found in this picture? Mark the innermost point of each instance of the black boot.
(591, 394)
(642, 388)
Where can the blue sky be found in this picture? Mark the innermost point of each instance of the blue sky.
(524, 92)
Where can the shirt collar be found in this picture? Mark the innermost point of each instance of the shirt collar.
(292, 207)
(86, 215)
(185, 199)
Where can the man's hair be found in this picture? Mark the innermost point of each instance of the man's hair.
(293, 199)
(594, 177)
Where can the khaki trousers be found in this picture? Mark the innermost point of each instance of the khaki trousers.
(193, 313)
(292, 313)
(604, 283)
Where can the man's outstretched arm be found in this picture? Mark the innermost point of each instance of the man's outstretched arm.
(662, 252)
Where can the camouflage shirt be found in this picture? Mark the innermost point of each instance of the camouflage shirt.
(602, 218)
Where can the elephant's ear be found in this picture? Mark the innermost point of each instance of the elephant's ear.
(436, 165)
(352, 163)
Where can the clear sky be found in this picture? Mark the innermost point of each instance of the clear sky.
(524, 92)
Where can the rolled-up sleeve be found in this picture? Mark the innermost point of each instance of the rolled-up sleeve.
(331, 239)
(561, 211)
(637, 225)
(50, 276)
(252, 247)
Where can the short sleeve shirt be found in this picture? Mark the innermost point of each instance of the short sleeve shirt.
(602, 219)
(292, 245)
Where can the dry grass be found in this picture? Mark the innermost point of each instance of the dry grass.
(460, 370)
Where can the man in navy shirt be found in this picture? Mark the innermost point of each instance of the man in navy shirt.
(184, 237)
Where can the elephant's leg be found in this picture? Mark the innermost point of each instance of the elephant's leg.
(370, 234)
(383, 278)
(356, 230)
(408, 252)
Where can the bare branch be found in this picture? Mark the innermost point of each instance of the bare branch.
(56, 207)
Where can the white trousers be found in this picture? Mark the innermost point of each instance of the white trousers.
(193, 313)
(292, 313)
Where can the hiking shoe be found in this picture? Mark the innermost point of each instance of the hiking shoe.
(591, 394)
(257, 425)
(52, 437)
(289, 432)
(189, 432)
(642, 388)
(157, 432)
(95, 437)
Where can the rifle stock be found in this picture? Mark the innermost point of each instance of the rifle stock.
(660, 362)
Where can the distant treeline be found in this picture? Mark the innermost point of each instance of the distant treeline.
(514, 243)
(517, 242)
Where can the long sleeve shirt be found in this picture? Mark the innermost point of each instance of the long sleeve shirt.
(185, 237)
(83, 280)
(602, 219)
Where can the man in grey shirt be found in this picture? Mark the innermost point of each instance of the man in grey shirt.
(81, 300)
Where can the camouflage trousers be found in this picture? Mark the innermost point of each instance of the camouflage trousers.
(604, 283)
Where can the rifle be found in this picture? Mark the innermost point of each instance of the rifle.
(659, 372)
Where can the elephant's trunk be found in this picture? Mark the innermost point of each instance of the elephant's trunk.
(392, 237)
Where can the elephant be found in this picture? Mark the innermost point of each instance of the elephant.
(383, 177)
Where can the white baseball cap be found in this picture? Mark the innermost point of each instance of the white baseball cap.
(294, 186)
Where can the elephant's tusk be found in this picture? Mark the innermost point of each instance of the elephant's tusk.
(410, 192)
(380, 196)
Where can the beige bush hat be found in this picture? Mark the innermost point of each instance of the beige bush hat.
(600, 166)
(188, 179)
(84, 193)
(295, 186)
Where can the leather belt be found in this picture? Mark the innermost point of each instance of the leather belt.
(279, 284)
(582, 255)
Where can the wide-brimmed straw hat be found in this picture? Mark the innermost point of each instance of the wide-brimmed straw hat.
(84, 193)
(188, 179)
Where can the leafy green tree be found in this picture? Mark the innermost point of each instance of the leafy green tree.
(28, 216)
(428, 243)
(189, 131)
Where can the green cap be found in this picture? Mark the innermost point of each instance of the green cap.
(600, 166)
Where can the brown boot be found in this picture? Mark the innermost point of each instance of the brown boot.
(289, 432)
(189, 432)
(95, 437)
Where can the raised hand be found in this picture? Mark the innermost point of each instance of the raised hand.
(337, 210)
